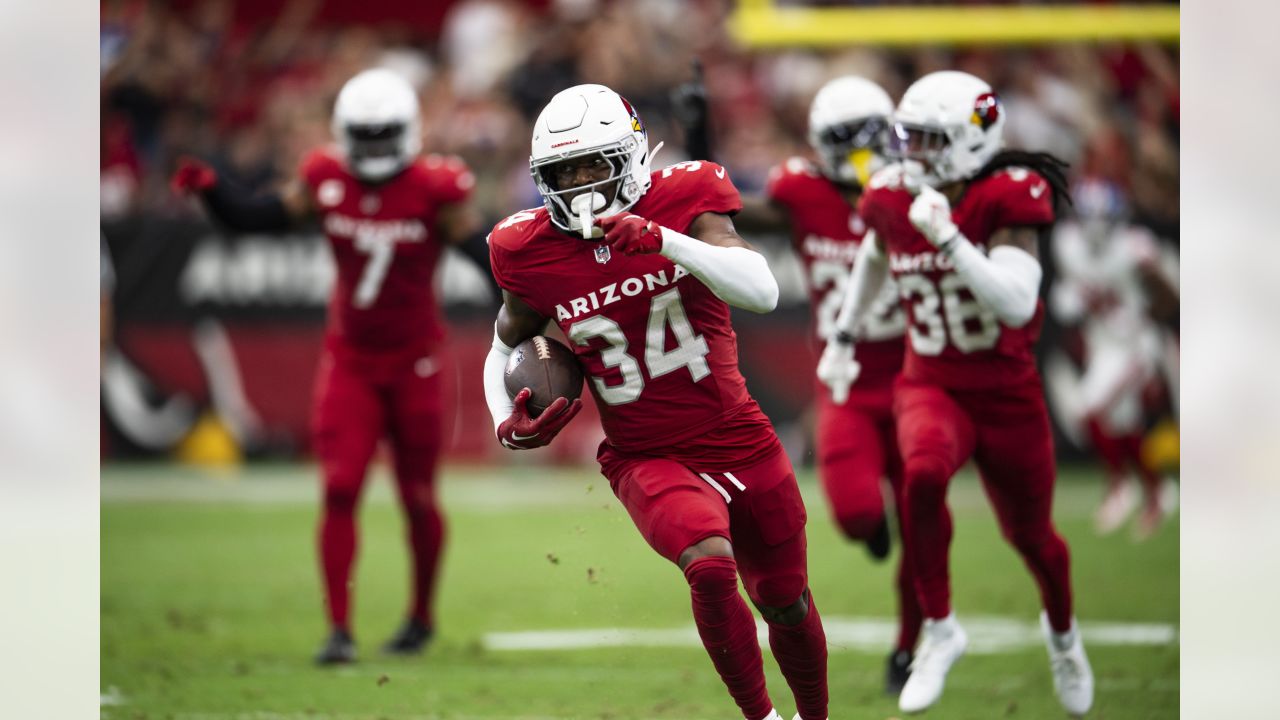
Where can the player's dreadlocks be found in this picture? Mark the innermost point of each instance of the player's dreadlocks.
(1050, 167)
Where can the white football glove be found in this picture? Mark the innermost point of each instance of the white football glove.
(838, 370)
(931, 214)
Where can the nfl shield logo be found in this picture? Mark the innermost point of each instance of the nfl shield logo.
(602, 254)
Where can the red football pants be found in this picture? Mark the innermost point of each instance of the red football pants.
(857, 446)
(357, 404)
(1006, 432)
(759, 510)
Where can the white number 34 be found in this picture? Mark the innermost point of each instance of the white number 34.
(665, 311)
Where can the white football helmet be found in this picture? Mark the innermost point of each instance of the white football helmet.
(848, 126)
(585, 120)
(375, 122)
(947, 127)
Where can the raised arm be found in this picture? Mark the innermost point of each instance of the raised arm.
(237, 208)
(1006, 280)
(713, 252)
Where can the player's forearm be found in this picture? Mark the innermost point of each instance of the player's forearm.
(1007, 281)
(495, 388)
(737, 275)
(242, 212)
(870, 270)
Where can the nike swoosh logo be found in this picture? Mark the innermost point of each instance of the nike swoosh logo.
(720, 173)
(518, 438)
(1038, 190)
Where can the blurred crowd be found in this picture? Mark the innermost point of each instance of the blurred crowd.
(250, 87)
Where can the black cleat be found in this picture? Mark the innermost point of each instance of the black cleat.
(339, 649)
(880, 541)
(897, 670)
(410, 639)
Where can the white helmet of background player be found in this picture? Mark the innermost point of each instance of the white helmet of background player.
(947, 127)
(1100, 206)
(587, 120)
(375, 122)
(848, 126)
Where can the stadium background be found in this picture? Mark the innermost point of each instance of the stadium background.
(209, 601)
(216, 336)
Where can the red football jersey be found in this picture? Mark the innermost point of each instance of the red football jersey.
(953, 340)
(385, 251)
(656, 344)
(826, 233)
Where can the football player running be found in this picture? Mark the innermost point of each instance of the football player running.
(957, 224)
(855, 438)
(639, 269)
(1105, 266)
(388, 214)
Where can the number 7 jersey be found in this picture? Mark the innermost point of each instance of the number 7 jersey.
(385, 250)
(952, 339)
(656, 344)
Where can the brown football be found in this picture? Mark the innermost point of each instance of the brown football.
(547, 368)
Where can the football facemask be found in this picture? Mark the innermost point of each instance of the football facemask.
(375, 122)
(590, 120)
(851, 152)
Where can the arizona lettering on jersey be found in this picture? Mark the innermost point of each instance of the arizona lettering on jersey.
(384, 250)
(656, 344)
(827, 233)
(953, 340)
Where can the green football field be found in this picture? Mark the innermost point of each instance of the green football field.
(553, 607)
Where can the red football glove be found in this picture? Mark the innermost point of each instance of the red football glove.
(631, 234)
(521, 432)
(192, 177)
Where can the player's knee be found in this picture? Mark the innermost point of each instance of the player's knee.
(861, 522)
(418, 498)
(341, 498)
(1030, 538)
(926, 471)
(783, 613)
(713, 579)
(711, 547)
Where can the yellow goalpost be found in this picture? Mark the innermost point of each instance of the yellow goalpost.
(763, 23)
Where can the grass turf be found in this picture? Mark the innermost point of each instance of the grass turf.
(211, 605)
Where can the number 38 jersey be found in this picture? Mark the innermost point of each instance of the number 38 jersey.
(656, 345)
(952, 339)
(385, 250)
(826, 234)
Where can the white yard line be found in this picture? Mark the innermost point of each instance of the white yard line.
(987, 635)
(489, 490)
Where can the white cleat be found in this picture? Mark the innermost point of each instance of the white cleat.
(943, 642)
(1072, 676)
(797, 717)
(773, 715)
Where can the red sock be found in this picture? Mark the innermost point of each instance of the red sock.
(801, 652)
(1049, 560)
(426, 542)
(337, 553)
(728, 631)
(910, 616)
(927, 525)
